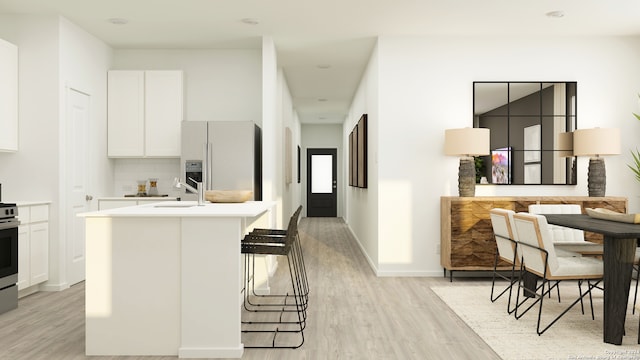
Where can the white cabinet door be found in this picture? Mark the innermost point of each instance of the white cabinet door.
(8, 96)
(39, 236)
(33, 245)
(125, 113)
(24, 255)
(144, 113)
(163, 113)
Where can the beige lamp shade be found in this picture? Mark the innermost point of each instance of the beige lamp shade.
(565, 144)
(596, 142)
(467, 142)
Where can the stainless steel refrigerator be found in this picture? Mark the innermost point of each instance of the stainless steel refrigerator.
(225, 155)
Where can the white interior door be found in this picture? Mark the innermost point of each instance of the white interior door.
(77, 193)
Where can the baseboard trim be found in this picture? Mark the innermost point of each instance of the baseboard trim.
(28, 291)
(390, 273)
(54, 287)
(362, 250)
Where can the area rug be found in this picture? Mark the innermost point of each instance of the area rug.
(574, 336)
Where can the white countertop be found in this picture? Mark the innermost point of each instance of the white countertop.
(29, 203)
(187, 209)
(147, 198)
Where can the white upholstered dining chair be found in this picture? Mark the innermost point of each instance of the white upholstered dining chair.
(567, 240)
(506, 251)
(539, 257)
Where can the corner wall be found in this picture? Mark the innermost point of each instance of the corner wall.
(83, 65)
(291, 193)
(53, 54)
(361, 205)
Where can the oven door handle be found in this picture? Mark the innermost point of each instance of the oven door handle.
(9, 225)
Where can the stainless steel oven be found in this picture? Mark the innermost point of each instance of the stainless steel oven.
(8, 257)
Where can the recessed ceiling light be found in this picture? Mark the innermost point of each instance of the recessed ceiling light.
(250, 21)
(118, 21)
(323, 100)
(555, 14)
(323, 66)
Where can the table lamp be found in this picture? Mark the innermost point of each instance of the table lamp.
(467, 143)
(596, 142)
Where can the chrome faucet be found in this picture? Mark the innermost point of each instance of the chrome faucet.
(177, 184)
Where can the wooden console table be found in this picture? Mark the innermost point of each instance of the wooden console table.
(466, 235)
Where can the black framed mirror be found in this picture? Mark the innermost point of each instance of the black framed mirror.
(529, 122)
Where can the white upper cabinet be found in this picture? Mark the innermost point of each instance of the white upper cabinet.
(144, 113)
(8, 96)
(163, 112)
(125, 109)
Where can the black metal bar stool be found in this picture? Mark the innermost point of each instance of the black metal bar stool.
(277, 235)
(280, 244)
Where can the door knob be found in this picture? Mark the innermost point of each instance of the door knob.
(88, 197)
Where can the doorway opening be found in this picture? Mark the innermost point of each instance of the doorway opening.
(322, 187)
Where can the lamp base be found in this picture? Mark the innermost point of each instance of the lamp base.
(467, 177)
(597, 178)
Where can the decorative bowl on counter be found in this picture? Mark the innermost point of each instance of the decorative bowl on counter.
(228, 196)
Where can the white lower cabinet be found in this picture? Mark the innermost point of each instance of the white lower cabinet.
(24, 255)
(33, 245)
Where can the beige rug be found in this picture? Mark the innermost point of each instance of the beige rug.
(574, 336)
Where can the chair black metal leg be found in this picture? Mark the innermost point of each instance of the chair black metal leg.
(300, 322)
(590, 288)
(286, 243)
(511, 279)
(302, 280)
(635, 294)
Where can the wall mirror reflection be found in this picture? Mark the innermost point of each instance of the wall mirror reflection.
(528, 123)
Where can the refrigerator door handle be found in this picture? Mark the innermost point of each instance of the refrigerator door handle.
(209, 159)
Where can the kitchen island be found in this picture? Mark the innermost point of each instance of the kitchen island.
(165, 278)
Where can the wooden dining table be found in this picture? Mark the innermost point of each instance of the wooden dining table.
(620, 243)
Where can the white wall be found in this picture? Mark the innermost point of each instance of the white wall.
(219, 84)
(128, 171)
(362, 204)
(330, 137)
(271, 128)
(291, 193)
(53, 54)
(32, 172)
(84, 61)
(425, 87)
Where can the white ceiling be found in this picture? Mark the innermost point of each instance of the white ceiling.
(338, 33)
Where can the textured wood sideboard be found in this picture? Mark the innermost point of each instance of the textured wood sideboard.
(466, 235)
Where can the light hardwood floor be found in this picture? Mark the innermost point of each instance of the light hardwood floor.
(352, 313)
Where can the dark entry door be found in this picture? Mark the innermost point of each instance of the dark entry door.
(322, 189)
